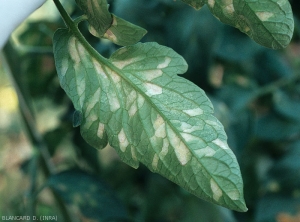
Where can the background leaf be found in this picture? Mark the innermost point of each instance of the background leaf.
(268, 22)
(94, 199)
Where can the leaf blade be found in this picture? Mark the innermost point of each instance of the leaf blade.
(137, 103)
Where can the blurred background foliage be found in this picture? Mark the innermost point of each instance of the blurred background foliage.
(46, 168)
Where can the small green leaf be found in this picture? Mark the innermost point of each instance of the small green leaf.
(77, 118)
(121, 32)
(102, 24)
(136, 102)
(98, 15)
(268, 22)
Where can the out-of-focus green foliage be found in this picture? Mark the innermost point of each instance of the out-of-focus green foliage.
(255, 92)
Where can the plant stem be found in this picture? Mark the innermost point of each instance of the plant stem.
(65, 16)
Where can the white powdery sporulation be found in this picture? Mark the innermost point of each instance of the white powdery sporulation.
(149, 75)
(193, 112)
(100, 131)
(155, 161)
(264, 16)
(182, 152)
(221, 144)
(123, 141)
(165, 63)
(217, 192)
(152, 89)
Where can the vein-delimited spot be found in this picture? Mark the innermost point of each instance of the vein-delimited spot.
(123, 141)
(183, 154)
(211, 3)
(217, 192)
(264, 16)
(165, 63)
(221, 144)
(193, 112)
(152, 89)
(100, 131)
(155, 161)
(149, 75)
(73, 50)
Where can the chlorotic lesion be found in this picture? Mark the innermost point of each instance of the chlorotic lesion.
(123, 141)
(217, 192)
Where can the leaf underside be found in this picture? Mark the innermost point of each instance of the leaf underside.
(136, 102)
(268, 22)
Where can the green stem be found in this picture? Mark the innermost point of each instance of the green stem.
(67, 19)
(73, 26)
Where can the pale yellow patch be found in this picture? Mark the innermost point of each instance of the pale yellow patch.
(193, 112)
(90, 120)
(92, 102)
(110, 35)
(217, 192)
(152, 74)
(73, 50)
(165, 63)
(121, 64)
(182, 152)
(133, 109)
(64, 66)
(189, 137)
(221, 144)
(212, 123)
(123, 140)
(133, 153)
(233, 195)
(229, 9)
(211, 3)
(207, 151)
(152, 89)
(187, 128)
(131, 103)
(100, 131)
(159, 127)
(264, 16)
(155, 161)
(165, 148)
(115, 77)
(80, 87)
(131, 98)
(140, 101)
(99, 68)
(114, 103)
